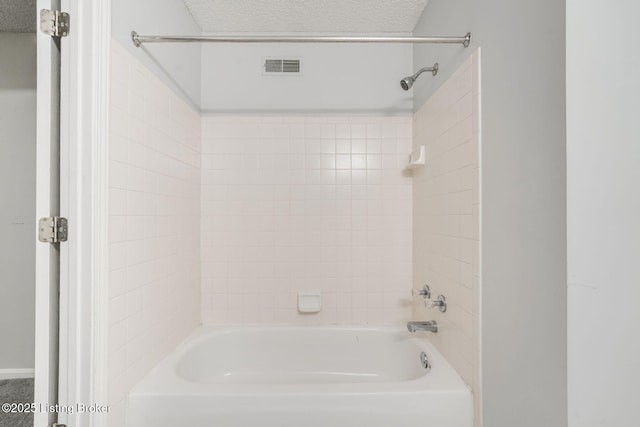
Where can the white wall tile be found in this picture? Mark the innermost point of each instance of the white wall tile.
(319, 197)
(154, 257)
(446, 206)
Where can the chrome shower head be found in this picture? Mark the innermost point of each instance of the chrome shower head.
(407, 82)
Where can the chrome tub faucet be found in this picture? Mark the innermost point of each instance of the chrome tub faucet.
(429, 326)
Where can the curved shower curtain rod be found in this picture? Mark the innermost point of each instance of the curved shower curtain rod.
(138, 40)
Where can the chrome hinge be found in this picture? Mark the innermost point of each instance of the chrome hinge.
(54, 23)
(57, 425)
(52, 229)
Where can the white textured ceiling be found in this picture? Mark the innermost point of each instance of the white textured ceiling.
(313, 16)
(18, 16)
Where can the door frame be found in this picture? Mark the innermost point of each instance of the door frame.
(84, 202)
(87, 128)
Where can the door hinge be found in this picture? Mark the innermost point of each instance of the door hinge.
(52, 229)
(54, 23)
(57, 425)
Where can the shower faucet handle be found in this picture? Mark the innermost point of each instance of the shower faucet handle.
(440, 303)
(425, 292)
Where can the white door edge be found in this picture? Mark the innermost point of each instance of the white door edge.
(45, 333)
(85, 131)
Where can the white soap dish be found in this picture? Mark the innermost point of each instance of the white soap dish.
(417, 158)
(309, 302)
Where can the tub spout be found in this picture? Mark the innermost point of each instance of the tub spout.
(429, 325)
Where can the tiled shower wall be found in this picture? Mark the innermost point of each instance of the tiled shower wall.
(306, 203)
(154, 227)
(446, 217)
(274, 205)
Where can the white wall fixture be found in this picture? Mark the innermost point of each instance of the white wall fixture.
(282, 67)
(417, 158)
(309, 301)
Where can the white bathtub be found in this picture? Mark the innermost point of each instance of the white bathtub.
(302, 377)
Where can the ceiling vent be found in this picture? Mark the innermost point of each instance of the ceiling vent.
(282, 66)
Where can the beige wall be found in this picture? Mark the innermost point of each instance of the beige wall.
(603, 149)
(154, 236)
(18, 196)
(446, 222)
(524, 293)
(293, 203)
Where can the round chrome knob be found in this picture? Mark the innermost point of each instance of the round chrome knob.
(424, 361)
(425, 292)
(440, 302)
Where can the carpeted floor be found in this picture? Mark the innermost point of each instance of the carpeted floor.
(16, 391)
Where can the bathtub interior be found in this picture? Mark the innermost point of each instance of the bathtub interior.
(297, 356)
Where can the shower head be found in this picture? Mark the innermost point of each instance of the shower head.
(407, 82)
